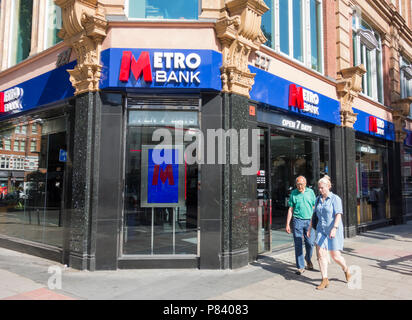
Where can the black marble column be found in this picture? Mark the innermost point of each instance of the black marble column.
(82, 218)
(109, 182)
(395, 151)
(97, 182)
(239, 190)
(210, 193)
(343, 165)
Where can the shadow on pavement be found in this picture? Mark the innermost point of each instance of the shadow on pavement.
(287, 270)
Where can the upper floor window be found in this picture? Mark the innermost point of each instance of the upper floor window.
(163, 9)
(7, 144)
(21, 23)
(34, 128)
(53, 24)
(406, 80)
(294, 28)
(367, 50)
(16, 145)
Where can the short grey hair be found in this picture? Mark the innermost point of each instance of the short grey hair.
(302, 178)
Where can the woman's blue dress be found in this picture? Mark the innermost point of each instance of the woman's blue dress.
(326, 212)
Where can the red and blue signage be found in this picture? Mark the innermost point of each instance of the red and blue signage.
(163, 180)
(137, 69)
(374, 126)
(283, 94)
(47, 88)
(163, 177)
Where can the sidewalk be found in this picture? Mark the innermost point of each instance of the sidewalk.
(381, 258)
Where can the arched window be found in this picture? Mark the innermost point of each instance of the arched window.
(367, 50)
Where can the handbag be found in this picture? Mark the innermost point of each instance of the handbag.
(315, 218)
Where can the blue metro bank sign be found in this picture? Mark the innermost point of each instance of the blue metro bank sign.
(160, 68)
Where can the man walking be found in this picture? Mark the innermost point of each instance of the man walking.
(301, 204)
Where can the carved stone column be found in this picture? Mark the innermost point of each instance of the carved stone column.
(84, 29)
(238, 29)
(399, 115)
(343, 148)
(349, 84)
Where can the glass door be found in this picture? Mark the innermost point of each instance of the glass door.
(292, 155)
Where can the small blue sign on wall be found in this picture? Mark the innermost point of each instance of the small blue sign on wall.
(62, 155)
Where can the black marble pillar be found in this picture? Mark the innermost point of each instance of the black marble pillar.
(96, 182)
(239, 190)
(343, 165)
(210, 195)
(109, 181)
(82, 218)
(395, 151)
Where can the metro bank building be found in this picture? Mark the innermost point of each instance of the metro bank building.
(79, 132)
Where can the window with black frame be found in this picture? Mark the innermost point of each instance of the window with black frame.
(372, 182)
(160, 205)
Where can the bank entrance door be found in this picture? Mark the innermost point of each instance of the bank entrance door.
(292, 155)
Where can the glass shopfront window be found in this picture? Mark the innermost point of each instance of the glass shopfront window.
(163, 9)
(32, 189)
(292, 155)
(160, 213)
(407, 180)
(372, 182)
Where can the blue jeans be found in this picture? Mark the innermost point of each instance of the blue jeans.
(300, 228)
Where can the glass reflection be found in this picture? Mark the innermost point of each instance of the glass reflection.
(32, 179)
(165, 230)
(372, 182)
(163, 9)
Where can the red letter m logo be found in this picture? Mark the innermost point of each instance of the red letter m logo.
(164, 175)
(1, 102)
(296, 97)
(139, 66)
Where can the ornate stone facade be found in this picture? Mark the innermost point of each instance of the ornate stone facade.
(399, 115)
(348, 86)
(84, 29)
(238, 29)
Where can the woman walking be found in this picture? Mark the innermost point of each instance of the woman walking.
(329, 230)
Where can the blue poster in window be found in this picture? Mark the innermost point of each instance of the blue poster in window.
(62, 155)
(163, 177)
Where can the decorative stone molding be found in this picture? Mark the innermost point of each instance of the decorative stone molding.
(349, 84)
(399, 114)
(84, 29)
(238, 29)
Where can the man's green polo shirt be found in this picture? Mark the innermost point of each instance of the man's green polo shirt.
(302, 203)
